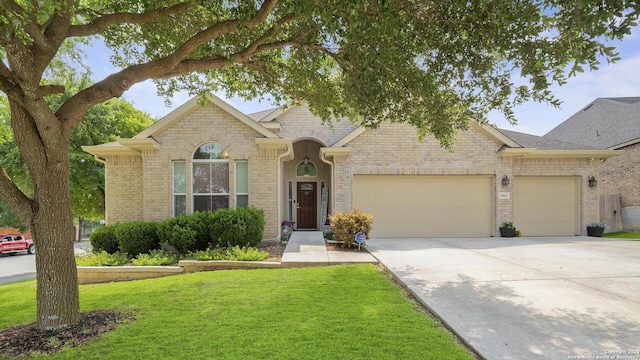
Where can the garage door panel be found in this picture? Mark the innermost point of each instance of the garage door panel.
(546, 206)
(427, 206)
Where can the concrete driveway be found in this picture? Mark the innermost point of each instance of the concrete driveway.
(527, 298)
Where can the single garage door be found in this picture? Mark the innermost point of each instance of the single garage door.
(546, 206)
(426, 206)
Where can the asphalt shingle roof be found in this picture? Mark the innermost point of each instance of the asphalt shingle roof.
(604, 123)
(542, 143)
(257, 116)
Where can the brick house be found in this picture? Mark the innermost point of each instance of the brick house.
(612, 124)
(294, 168)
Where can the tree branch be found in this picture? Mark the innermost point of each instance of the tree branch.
(96, 26)
(74, 108)
(15, 198)
(31, 26)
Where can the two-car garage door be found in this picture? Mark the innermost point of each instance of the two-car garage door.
(426, 206)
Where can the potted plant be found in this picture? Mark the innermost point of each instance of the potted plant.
(287, 229)
(508, 229)
(596, 229)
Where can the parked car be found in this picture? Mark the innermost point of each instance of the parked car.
(13, 243)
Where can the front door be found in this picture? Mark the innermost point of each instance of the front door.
(307, 205)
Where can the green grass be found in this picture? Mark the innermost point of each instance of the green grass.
(623, 235)
(346, 312)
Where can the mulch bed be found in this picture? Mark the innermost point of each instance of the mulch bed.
(275, 251)
(26, 339)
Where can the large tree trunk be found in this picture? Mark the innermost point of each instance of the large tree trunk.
(49, 216)
(56, 273)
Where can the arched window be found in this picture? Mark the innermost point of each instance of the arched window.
(210, 177)
(306, 168)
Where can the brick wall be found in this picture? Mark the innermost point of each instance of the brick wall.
(300, 123)
(140, 187)
(394, 149)
(621, 174)
(123, 187)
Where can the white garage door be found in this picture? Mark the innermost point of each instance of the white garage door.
(546, 206)
(426, 206)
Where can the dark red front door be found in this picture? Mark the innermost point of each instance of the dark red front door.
(307, 205)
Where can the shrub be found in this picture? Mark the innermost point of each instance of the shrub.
(137, 237)
(177, 233)
(155, 258)
(237, 227)
(102, 258)
(187, 232)
(200, 222)
(235, 253)
(104, 238)
(346, 225)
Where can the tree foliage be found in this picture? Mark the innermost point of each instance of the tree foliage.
(433, 64)
(106, 122)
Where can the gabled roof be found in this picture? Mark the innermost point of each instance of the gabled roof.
(177, 114)
(606, 123)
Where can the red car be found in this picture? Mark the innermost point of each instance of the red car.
(12, 243)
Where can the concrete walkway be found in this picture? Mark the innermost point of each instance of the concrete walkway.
(307, 248)
(527, 298)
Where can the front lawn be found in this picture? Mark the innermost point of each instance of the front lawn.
(623, 235)
(346, 312)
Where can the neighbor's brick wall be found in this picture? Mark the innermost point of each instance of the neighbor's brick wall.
(621, 174)
(123, 187)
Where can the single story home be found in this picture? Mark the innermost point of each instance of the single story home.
(612, 124)
(286, 162)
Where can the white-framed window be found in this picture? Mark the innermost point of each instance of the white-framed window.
(179, 187)
(242, 183)
(210, 169)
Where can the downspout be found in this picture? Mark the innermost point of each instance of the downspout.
(289, 150)
(326, 161)
(100, 160)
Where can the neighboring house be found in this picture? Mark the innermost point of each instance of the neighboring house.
(283, 161)
(612, 124)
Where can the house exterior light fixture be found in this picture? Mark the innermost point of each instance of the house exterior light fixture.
(505, 181)
(592, 182)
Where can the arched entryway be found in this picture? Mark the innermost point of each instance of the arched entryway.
(307, 185)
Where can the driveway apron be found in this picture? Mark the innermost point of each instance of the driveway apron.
(526, 298)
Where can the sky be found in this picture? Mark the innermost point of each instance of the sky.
(621, 79)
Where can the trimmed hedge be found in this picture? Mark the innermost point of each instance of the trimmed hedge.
(237, 227)
(187, 232)
(104, 239)
(138, 237)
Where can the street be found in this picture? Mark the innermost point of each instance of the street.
(22, 266)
